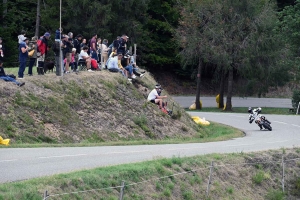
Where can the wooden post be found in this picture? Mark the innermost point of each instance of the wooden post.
(45, 195)
(283, 175)
(122, 190)
(134, 55)
(209, 178)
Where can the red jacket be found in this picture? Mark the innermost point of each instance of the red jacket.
(42, 45)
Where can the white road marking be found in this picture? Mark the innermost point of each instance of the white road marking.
(277, 141)
(121, 152)
(186, 148)
(62, 156)
(295, 125)
(8, 160)
(237, 116)
(280, 122)
(236, 145)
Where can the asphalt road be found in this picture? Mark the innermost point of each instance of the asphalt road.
(24, 163)
(186, 101)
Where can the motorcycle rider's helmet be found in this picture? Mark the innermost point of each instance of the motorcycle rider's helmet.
(249, 110)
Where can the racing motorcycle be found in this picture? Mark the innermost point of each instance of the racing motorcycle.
(260, 120)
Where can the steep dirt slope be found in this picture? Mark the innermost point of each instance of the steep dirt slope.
(85, 107)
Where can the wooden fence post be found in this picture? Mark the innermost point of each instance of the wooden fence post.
(134, 55)
(209, 178)
(283, 175)
(122, 190)
(45, 195)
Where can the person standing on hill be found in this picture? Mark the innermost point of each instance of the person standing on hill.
(93, 47)
(67, 50)
(23, 55)
(42, 51)
(32, 59)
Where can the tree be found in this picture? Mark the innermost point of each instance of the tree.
(234, 35)
(288, 26)
(159, 46)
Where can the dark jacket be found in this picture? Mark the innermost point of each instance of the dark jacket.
(77, 45)
(68, 47)
(2, 72)
(122, 43)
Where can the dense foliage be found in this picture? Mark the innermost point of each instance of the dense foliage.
(236, 42)
(234, 36)
(148, 23)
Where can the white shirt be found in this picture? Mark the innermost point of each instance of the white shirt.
(152, 95)
(21, 38)
(83, 54)
(113, 63)
(104, 48)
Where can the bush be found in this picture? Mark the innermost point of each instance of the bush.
(296, 98)
(275, 195)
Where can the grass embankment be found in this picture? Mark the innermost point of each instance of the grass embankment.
(100, 108)
(214, 132)
(234, 176)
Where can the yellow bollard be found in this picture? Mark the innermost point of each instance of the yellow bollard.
(193, 106)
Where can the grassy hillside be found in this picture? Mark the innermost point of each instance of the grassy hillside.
(89, 108)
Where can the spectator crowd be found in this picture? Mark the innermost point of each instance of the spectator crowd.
(72, 54)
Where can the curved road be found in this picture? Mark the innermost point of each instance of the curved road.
(25, 163)
(186, 101)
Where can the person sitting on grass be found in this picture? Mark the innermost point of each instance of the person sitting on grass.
(5, 77)
(154, 97)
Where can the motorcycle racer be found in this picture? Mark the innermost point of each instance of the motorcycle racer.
(254, 115)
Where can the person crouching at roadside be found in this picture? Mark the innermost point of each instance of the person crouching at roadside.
(154, 97)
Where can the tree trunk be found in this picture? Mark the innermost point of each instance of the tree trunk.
(222, 86)
(37, 23)
(198, 107)
(229, 94)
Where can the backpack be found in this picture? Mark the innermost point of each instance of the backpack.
(39, 45)
(94, 64)
(56, 46)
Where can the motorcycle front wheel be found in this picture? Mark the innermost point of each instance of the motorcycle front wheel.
(267, 126)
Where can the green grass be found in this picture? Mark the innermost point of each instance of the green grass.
(149, 179)
(277, 111)
(258, 177)
(12, 70)
(213, 132)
